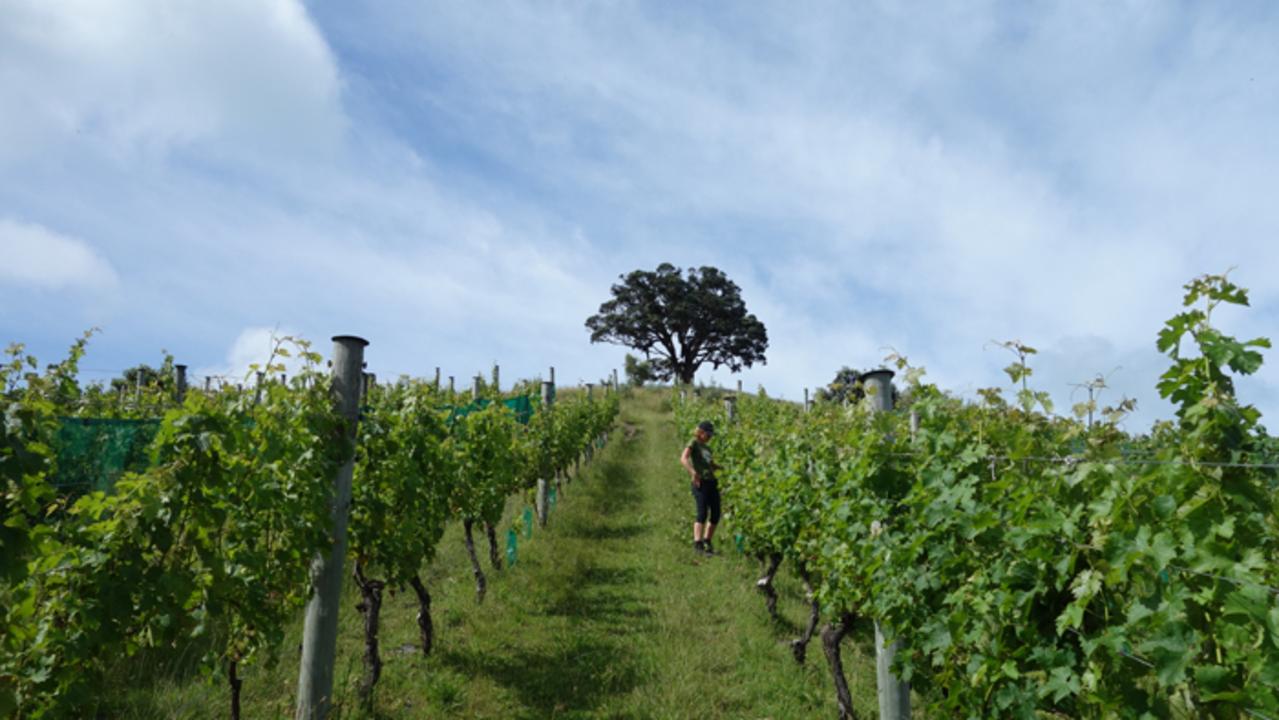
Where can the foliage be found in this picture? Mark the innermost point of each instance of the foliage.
(1037, 568)
(638, 372)
(681, 322)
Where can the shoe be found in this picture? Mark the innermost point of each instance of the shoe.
(708, 548)
(699, 548)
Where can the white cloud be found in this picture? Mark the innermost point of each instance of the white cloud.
(253, 348)
(35, 256)
(148, 76)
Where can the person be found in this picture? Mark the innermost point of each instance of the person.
(697, 461)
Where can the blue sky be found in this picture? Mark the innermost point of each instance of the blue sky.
(460, 183)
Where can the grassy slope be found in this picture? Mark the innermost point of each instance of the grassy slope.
(607, 614)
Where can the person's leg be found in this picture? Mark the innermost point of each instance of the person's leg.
(699, 525)
(712, 505)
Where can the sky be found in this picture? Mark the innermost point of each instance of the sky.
(461, 183)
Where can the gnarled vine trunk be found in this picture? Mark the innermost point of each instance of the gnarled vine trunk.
(481, 584)
(371, 608)
(799, 646)
(832, 634)
(424, 625)
(234, 679)
(765, 584)
(494, 557)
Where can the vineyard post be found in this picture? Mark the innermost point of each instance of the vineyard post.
(894, 695)
(808, 404)
(257, 394)
(497, 379)
(437, 378)
(208, 383)
(590, 391)
(739, 386)
(548, 401)
(452, 387)
(615, 385)
(552, 374)
(730, 408)
(180, 380)
(320, 632)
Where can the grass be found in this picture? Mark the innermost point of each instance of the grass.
(607, 614)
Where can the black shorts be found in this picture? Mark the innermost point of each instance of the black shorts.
(707, 498)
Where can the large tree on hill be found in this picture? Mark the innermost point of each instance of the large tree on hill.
(681, 322)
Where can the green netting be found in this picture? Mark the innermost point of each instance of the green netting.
(512, 547)
(94, 453)
(521, 406)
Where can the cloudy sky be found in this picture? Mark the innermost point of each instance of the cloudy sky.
(460, 182)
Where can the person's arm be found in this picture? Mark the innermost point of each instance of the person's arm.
(687, 461)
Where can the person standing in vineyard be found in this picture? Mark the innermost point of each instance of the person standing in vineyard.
(697, 461)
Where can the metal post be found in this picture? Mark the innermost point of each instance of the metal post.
(730, 408)
(257, 394)
(497, 378)
(437, 378)
(452, 386)
(739, 387)
(180, 380)
(808, 404)
(894, 695)
(615, 385)
(319, 634)
(476, 383)
(543, 484)
(552, 374)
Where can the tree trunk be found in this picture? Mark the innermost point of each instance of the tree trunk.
(832, 634)
(765, 584)
(424, 625)
(481, 584)
(371, 608)
(234, 679)
(494, 557)
(799, 646)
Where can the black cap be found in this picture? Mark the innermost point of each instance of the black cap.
(706, 427)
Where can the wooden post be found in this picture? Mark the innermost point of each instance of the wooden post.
(497, 379)
(437, 379)
(808, 404)
(739, 387)
(476, 384)
(452, 386)
(552, 374)
(543, 484)
(894, 695)
(319, 634)
(730, 408)
(180, 380)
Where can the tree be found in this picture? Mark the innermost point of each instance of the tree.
(845, 387)
(638, 372)
(680, 323)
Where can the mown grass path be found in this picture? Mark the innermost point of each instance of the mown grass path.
(607, 614)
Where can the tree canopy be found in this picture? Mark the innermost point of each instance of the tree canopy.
(681, 321)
